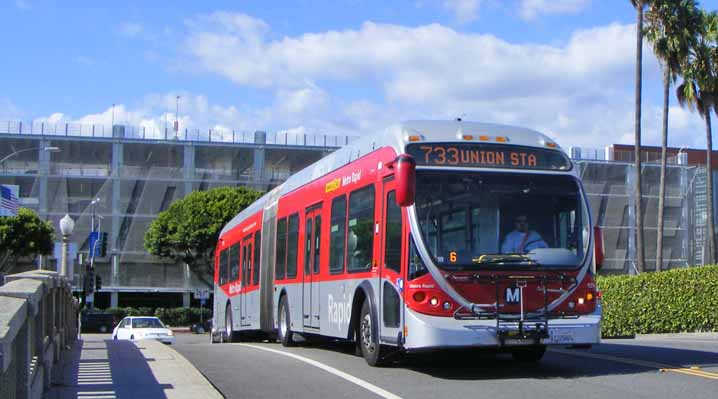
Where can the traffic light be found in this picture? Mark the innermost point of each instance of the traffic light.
(103, 245)
(90, 280)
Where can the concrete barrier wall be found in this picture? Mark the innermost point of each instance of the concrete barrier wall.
(38, 320)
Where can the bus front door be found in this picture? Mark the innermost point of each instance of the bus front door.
(391, 280)
(312, 232)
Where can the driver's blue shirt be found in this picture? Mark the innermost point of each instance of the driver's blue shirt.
(513, 240)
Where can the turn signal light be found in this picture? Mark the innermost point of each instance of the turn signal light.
(589, 297)
(414, 138)
(419, 296)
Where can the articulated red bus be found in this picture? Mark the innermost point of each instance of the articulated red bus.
(429, 235)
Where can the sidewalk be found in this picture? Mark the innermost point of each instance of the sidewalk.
(105, 369)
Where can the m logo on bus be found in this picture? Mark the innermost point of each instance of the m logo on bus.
(513, 295)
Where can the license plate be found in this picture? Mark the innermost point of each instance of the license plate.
(562, 336)
(519, 341)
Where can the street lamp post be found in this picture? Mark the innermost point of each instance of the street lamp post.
(67, 227)
(12, 154)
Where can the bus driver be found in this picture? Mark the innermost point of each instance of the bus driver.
(522, 240)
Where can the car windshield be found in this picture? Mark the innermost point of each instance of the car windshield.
(488, 219)
(147, 322)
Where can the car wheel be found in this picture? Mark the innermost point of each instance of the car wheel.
(114, 337)
(529, 355)
(286, 337)
(368, 337)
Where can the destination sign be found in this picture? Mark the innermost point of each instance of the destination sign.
(479, 155)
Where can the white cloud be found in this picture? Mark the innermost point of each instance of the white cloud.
(85, 61)
(464, 10)
(23, 5)
(8, 110)
(556, 88)
(530, 9)
(131, 29)
(580, 92)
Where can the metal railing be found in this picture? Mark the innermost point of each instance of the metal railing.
(38, 319)
(169, 134)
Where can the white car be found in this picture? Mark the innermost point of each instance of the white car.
(136, 328)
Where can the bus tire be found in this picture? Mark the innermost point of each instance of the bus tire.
(285, 334)
(228, 335)
(368, 337)
(529, 355)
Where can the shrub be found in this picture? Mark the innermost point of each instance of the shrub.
(678, 300)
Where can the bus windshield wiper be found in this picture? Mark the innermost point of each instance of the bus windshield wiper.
(503, 259)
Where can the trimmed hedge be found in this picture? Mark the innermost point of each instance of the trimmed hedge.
(678, 300)
(172, 316)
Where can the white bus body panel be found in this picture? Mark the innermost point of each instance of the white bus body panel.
(428, 332)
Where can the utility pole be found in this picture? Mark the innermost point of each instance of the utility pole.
(177, 117)
(90, 292)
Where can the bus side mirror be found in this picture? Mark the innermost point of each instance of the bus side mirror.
(598, 247)
(405, 175)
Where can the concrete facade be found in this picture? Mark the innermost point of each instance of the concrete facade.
(136, 174)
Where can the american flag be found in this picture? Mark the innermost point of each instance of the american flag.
(9, 200)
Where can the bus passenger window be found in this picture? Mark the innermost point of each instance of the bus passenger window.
(337, 234)
(257, 265)
(292, 244)
(234, 262)
(360, 237)
(281, 258)
(223, 267)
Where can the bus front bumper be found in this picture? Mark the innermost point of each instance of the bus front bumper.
(425, 332)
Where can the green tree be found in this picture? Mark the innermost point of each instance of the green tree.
(23, 235)
(699, 91)
(640, 6)
(671, 27)
(188, 231)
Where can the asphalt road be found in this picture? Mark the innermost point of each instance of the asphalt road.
(664, 367)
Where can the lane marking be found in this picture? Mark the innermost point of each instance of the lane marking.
(354, 380)
(693, 370)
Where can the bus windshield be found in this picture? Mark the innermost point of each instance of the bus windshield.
(473, 220)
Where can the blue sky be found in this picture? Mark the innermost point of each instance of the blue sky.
(340, 67)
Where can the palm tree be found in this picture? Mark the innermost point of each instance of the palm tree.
(699, 91)
(640, 250)
(671, 26)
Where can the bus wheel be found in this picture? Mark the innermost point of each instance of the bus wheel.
(228, 333)
(285, 331)
(529, 355)
(370, 347)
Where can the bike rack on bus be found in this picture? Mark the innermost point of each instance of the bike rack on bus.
(531, 325)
